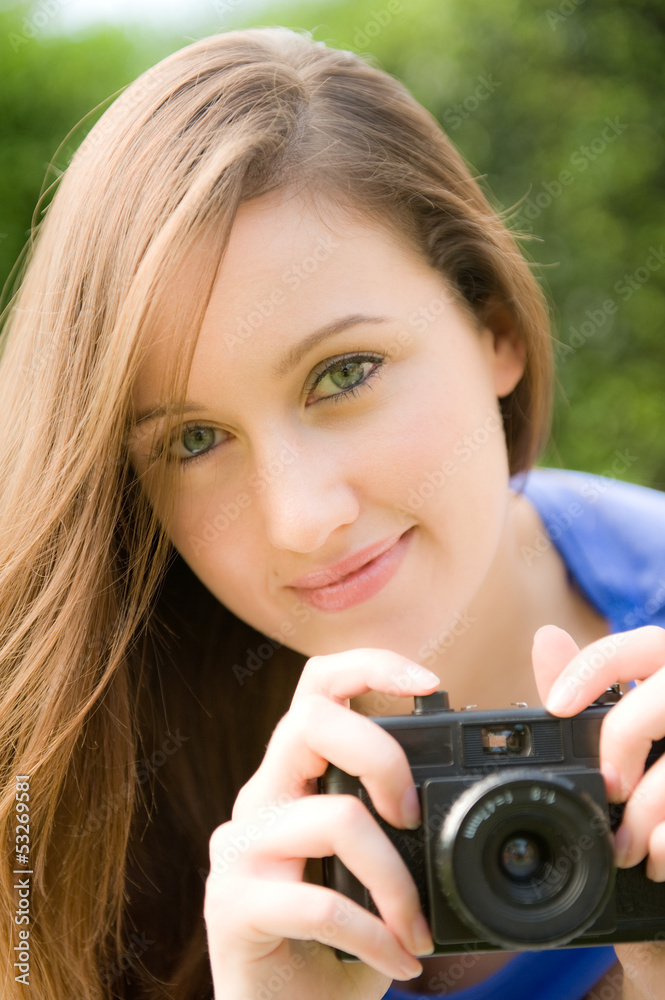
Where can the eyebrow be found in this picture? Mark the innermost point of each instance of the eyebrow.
(298, 352)
(163, 410)
(280, 370)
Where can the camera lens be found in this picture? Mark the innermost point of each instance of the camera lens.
(522, 856)
(525, 860)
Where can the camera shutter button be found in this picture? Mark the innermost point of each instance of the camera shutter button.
(435, 702)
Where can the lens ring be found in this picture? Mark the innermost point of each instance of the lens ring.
(570, 889)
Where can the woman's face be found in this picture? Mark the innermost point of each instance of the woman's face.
(344, 472)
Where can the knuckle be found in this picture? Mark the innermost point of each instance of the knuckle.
(244, 798)
(375, 937)
(315, 667)
(618, 728)
(231, 845)
(657, 841)
(350, 811)
(222, 898)
(654, 633)
(305, 713)
(325, 915)
(219, 839)
(393, 757)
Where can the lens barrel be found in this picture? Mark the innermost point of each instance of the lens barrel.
(525, 859)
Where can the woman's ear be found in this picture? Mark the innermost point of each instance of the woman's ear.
(508, 352)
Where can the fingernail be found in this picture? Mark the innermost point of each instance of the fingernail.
(421, 675)
(652, 872)
(561, 697)
(410, 969)
(411, 809)
(421, 936)
(622, 841)
(612, 781)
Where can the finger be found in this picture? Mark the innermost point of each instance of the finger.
(318, 827)
(553, 649)
(627, 733)
(317, 731)
(645, 810)
(642, 967)
(305, 912)
(656, 858)
(624, 656)
(342, 676)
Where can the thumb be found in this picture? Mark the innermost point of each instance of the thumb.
(553, 649)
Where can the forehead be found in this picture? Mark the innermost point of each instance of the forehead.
(292, 264)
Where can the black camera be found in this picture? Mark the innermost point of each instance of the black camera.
(515, 850)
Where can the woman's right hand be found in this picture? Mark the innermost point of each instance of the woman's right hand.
(269, 932)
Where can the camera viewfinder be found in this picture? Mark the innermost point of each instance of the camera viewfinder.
(507, 741)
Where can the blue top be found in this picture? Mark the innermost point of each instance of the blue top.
(611, 536)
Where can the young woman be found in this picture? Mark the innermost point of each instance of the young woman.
(273, 382)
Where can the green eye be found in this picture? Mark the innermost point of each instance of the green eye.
(198, 439)
(344, 376)
(348, 374)
(193, 443)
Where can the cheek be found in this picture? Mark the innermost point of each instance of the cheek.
(224, 556)
(443, 446)
(212, 532)
(222, 544)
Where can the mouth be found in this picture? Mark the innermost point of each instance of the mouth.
(344, 585)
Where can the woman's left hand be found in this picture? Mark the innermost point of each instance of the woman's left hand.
(569, 680)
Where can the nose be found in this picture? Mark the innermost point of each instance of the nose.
(304, 494)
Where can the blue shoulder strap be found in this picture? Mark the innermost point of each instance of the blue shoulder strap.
(531, 975)
(610, 534)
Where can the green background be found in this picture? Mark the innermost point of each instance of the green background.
(557, 106)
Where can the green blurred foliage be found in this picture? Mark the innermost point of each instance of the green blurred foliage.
(52, 91)
(557, 106)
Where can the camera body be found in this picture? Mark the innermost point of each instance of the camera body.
(515, 850)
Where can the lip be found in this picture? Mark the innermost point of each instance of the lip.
(335, 571)
(356, 578)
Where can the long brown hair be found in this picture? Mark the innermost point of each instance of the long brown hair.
(134, 702)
